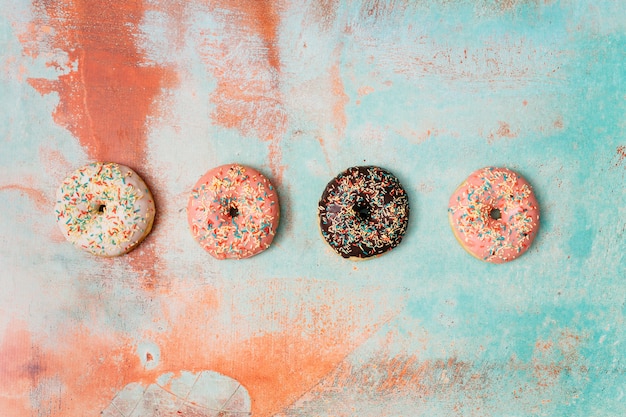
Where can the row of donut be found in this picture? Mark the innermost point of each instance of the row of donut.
(233, 212)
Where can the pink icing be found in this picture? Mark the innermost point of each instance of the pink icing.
(494, 214)
(233, 212)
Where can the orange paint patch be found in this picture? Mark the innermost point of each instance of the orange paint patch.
(146, 262)
(257, 17)
(276, 367)
(558, 123)
(326, 156)
(37, 196)
(342, 99)
(406, 373)
(503, 131)
(109, 89)
(87, 369)
(547, 375)
(553, 358)
(508, 5)
(421, 136)
(324, 12)
(543, 346)
(54, 162)
(246, 64)
(385, 377)
(365, 90)
(19, 370)
(621, 155)
(275, 162)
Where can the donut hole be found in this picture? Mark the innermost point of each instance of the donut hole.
(233, 211)
(495, 214)
(101, 208)
(362, 211)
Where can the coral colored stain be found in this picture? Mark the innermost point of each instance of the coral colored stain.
(19, 369)
(558, 123)
(386, 376)
(246, 65)
(275, 161)
(365, 90)
(40, 199)
(147, 263)
(276, 368)
(508, 5)
(339, 108)
(326, 156)
(553, 358)
(324, 12)
(110, 89)
(504, 131)
(621, 154)
(90, 367)
(252, 18)
(237, 106)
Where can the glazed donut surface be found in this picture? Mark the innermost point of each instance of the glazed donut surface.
(363, 212)
(233, 212)
(105, 209)
(494, 214)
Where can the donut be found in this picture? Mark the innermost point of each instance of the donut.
(104, 208)
(233, 212)
(494, 214)
(363, 212)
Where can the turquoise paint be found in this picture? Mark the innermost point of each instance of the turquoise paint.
(581, 242)
(437, 301)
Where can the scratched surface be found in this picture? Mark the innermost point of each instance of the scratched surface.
(301, 90)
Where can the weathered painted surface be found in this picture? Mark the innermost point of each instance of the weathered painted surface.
(302, 89)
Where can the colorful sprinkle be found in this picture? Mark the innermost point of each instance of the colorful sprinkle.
(494, 214)
(101, 208)
(233, 212)
(363, 212)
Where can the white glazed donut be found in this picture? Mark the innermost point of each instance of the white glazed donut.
(105, 209)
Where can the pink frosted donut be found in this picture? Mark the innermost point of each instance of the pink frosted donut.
(233, 212)
(494, 214)
(105, 209)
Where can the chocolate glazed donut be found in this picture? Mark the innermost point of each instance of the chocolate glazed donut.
(363, 212)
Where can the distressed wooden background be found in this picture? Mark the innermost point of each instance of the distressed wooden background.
(302, 89)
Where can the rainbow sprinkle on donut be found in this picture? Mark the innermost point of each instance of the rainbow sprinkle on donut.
(494, 214)
(363, 212)
(104, 208)
(233, 212)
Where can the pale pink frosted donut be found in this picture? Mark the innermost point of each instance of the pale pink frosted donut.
(233, 212)
(494, 214)
(104, 208)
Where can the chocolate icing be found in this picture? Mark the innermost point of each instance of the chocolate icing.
(363, 212)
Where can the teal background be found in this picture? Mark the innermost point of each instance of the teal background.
(430, 90)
